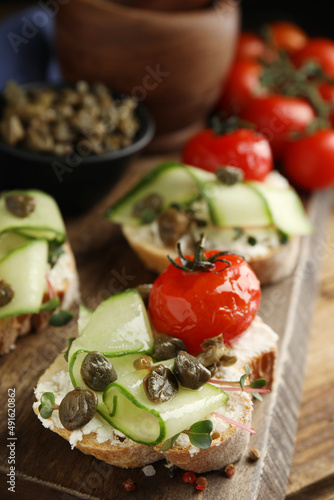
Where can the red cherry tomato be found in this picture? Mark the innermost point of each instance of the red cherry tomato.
(277, 118)
(288, 36)
(320, 50)
(198, 305)
(242, 148)
(250, 46)
(309, 162)
(242, 83)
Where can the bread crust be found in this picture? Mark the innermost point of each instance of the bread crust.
(275, 266)
(13, 327)
(225, 449)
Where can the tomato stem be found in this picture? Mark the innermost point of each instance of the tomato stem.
(200, 262)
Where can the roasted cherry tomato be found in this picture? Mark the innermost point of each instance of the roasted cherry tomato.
(243, 82)
(319, 50)
(309, 162)
(242, 148)
(277, 118)
(202, 304)
(250, 46)
(287, 36)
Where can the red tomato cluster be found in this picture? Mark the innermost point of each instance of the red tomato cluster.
(288, 119)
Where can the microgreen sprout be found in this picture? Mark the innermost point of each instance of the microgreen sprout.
(60, 318)
(50, 305)
(47, 405)
(255, 388)
(69, 343)
(199, 435)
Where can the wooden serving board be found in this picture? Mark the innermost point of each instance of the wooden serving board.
(47, 468)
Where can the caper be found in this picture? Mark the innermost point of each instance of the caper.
(160, 384)
(143, 362)
(213, 368)
(166, 346)
(6, 293)
(77, 408)
(227, 360)
(229, 175)
(20, 205)
(173, 224)
(144, 291)
(190, 372)
(97, 372)
(148, 207)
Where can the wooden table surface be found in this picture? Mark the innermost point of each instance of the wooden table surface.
(312, 471)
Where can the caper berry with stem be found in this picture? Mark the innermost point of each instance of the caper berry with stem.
(167, 347)
(190, 372)
(143, 363)
(20, 205)
(97, 372)
(77, 408)
(6, 293)
(160, 384)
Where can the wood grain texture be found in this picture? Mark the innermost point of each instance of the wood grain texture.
(47, 467)
(312, 472)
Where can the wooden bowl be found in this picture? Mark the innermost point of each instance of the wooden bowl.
(174, 62)
(175, 5)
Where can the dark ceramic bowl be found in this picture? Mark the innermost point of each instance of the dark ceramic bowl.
(77, 182)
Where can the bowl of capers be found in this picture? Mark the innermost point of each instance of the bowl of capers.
(71, 140)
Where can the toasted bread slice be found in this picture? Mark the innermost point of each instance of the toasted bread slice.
(277, 264)
(64, 280)
(256, 347)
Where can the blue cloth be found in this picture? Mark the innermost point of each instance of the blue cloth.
(27, 46)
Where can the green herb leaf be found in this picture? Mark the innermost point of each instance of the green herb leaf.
(60, 318)
(202, 441)
(69, 343)
(251, 241)
(50, 305)
(199, 434)
(238, 233)
(46, 407)
(243, 377)
(257, 396)
(201, 427)
(258, 383)
(55, 251)
(284, 238)
(169, 443)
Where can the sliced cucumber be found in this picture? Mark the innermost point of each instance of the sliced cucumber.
(235, 206)
(131, 412)
(118, 326)
(44, 222)
(9, 241)
(24, 269)
(170, 180)
(84, 316)
(286, 209)
(122, 364)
